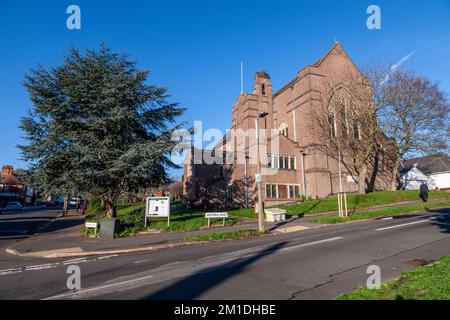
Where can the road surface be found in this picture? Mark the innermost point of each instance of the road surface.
(310, 264)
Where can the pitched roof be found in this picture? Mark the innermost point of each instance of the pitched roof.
(429, 164)
(10, 179)
(335, 48)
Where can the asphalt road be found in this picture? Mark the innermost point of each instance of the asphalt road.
(311, 264)
(21, 224)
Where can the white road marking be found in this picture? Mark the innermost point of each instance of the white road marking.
(10, 271)
(387, 218)
(107, 257)
(42, 266)
(402, 225)
(74, 293)
(46, 266)
(310, 243)
(141, 261)
(75, 261)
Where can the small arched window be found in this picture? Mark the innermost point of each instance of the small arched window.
(263, 89)
(283, 129)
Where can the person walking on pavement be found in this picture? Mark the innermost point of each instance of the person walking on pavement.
(84, 206)
(424, 191)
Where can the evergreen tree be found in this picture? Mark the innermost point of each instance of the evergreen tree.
(97, 127)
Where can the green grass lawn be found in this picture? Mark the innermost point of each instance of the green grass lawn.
(429, 282)
(228, 235)
(132, 220)
(355, 201)
(245, 213)
(381, 212)
(131, 217)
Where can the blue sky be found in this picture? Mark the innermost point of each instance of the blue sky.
(195, 47)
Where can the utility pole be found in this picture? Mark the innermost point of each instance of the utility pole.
(342, 197)
(246, 181)
(258, 175)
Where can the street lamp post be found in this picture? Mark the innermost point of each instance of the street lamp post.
(246, 181)
(302, 158)
(258, 175)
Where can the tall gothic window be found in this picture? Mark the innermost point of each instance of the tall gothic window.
(356, 133)
(332, 124)
(344, 118)
(263, 88)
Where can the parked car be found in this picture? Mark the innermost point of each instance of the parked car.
(13, 205)
(73, 202)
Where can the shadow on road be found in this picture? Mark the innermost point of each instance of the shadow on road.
(193, 286)
(443, 221)
(23, 224)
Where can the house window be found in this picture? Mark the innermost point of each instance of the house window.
(271, 191)
(294, 191)
(281, 159)
(292, 167)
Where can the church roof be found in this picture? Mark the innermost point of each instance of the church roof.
(335, 48)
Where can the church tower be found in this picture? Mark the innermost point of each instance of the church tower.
(262, 89)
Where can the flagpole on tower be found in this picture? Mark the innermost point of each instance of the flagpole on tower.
(242, 77)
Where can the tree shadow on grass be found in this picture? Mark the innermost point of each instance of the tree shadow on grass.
(191, 287)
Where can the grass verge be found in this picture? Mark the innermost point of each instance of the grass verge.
(132, 222)
(181, 219)
(380, 213)
(244, 212)
(228, 235)
(429, 282)
(356, 201)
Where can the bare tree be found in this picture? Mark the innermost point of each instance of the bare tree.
(347, 124)
(176, 189)
(410, 109)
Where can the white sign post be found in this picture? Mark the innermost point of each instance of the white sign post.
(210, 215)
(92, 225)
(157, 207)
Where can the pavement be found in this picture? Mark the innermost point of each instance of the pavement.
(315, 263)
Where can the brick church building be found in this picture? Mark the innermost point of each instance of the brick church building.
(304, 170)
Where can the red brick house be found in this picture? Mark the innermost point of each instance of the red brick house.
(12, 187)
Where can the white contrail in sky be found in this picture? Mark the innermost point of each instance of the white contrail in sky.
(397, 65)
(401, 61)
